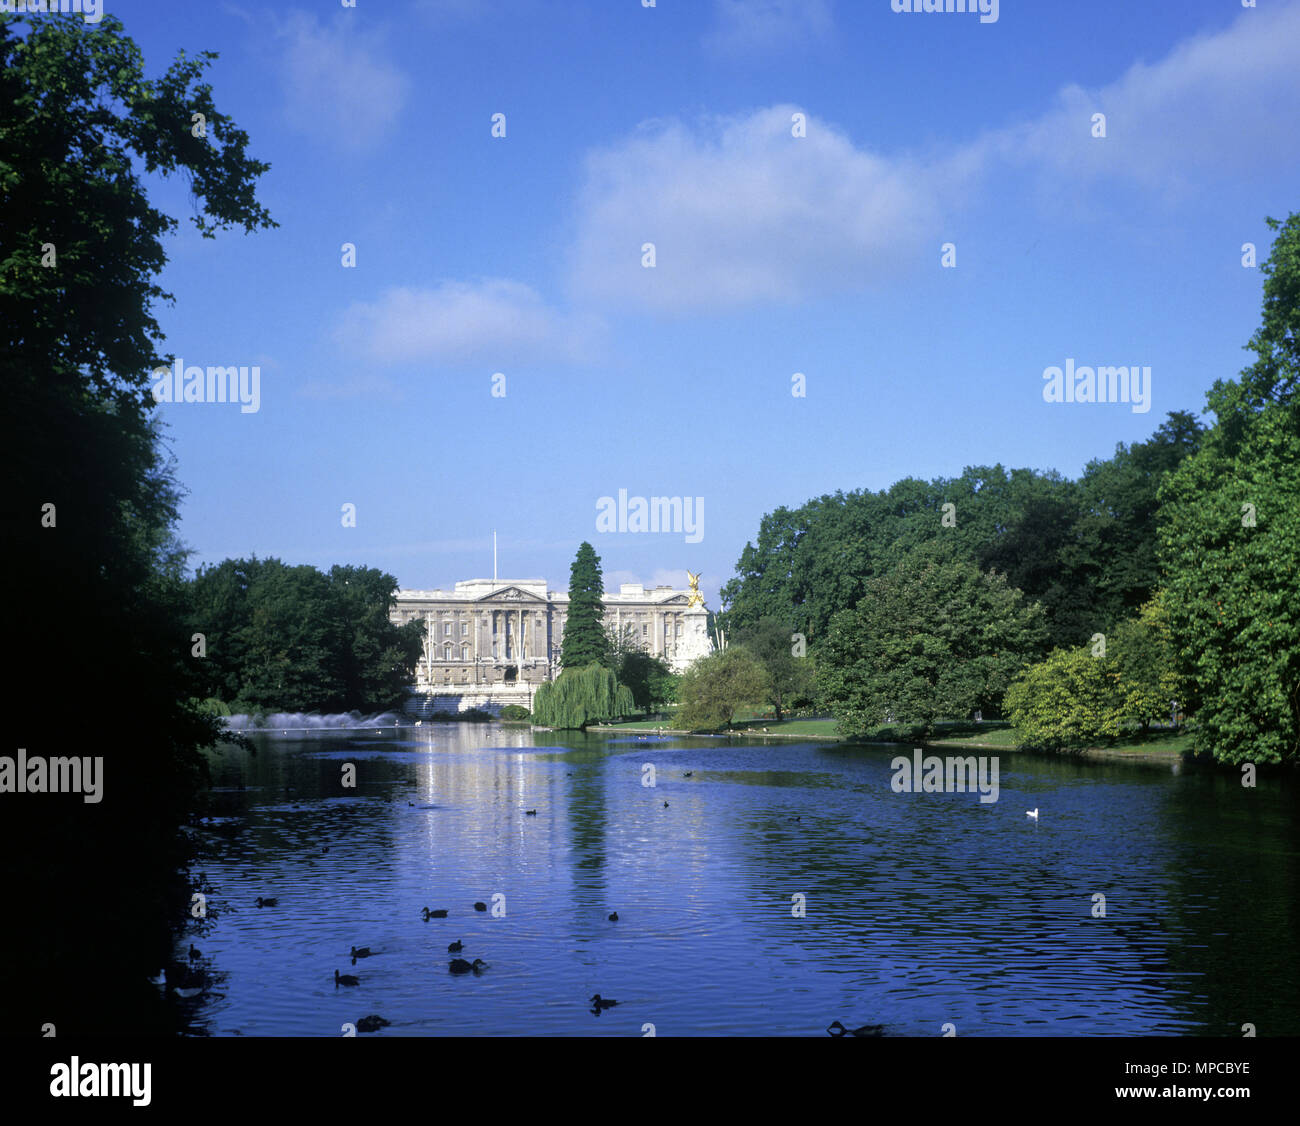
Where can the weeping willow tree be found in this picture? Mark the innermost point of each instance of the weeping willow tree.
(581, 696)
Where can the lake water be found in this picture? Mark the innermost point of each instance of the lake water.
(921, 909)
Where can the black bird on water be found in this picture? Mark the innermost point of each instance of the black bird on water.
(195, 953)
(688, 774)
(530, 813)
(614, 917)
(460, 966)
(665, 805)
(598, 1003)
(480, 906)
(837, 1029)
(345, 979)
(372, 1023)
(360, 952)
(456, 947)
(441, 913)
(267, 902)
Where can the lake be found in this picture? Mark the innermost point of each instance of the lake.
(919, 910)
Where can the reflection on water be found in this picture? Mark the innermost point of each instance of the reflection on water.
(921, 909)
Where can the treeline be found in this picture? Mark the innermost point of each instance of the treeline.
(1163, 580)
(293, 638)
(1084, 550)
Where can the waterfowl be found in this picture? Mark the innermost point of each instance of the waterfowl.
(598, 1002)
(688, 773)
(665, 805)
(1032, 813)
(460, 966)
(837, 1029)
(441, 913)
(530, 813)
(345, 979)
(480, 906)
(267, 902)
(360, 952)
(195, 953)
(613, 918)
(372, 1023)
(456, 947)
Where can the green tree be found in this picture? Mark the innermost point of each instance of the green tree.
(648, 678)
(578, 697)
(935, 638)
(716, 685)
(1230, 541)
(584, 640)
(1068, 700)
(773, 645)
(91, 507)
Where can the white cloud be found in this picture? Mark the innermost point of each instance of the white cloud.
(1222, 104)
(758, 26)
(338, 85)
(740, 211)
(494, 322)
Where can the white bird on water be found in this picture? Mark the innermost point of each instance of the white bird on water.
(1032, 813)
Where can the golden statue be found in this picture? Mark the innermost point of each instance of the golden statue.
(696, 598)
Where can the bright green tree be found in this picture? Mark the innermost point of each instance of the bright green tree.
(935, 638)
(714, 686)
(1230, 541)
(578, 697)
(1068, 700)
(585, 641)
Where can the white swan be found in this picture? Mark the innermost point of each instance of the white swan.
(1032, 813)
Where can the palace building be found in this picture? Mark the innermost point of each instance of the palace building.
(491, 641)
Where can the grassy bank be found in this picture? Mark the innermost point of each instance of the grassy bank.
(993, 736)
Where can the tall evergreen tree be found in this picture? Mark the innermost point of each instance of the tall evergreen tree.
(585, 642)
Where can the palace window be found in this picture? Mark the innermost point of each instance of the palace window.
(464, 629)
(464, 652)
(446, 629)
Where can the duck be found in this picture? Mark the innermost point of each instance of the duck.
(837, 1029)
(456, 947)
(195, 953)
(345, 979)
(360, 952)
(267, 902)
(372, 1023)
(1032, 813)
(441, 913)
(613, 918)
(480, 906)
(460, 966)
(688, 774)
(530, 813)
(598, 1002)
(665, 805)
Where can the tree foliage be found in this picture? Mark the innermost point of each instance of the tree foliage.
(584, 641)
(1082, 549)
(934, 638)
(578, 697)
(716, 685)
(772, 644)
(293, 639)
(91, 505)
(1230, 540)
(1097, 693)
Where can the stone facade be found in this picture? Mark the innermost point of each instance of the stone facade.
(491, 635)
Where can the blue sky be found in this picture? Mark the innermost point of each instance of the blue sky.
(775, 254)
